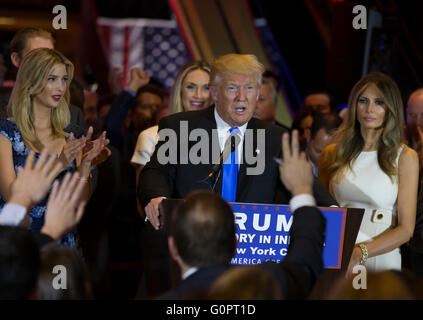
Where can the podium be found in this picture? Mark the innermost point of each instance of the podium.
(328, 277)
(325, 281)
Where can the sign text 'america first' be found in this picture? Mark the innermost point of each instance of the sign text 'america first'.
(262, 232)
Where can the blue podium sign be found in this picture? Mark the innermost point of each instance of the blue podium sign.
(262, 232)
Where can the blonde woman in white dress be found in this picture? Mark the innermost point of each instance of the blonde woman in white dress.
(370, 167)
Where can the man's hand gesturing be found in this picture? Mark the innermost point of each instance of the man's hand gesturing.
(153, 213)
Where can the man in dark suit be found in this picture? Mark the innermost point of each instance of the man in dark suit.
(202, 235)
(235, 81)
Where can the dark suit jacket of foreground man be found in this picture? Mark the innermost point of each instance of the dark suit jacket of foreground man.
(177, 180)
(295, 275)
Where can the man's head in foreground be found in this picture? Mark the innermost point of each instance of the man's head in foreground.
(202, 231)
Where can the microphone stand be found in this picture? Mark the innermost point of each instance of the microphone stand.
(217, 169)
(213, 173)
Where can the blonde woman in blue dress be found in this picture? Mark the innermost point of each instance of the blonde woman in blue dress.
(40, 120)
(370, 167)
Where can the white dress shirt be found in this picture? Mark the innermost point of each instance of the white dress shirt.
(223, 134)
(12, 214)
(146, 143)
(189, 272)
(301, 200)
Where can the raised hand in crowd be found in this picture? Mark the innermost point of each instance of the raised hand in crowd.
(296, 172)
(33, 182)
(64, 206)
(138, 78)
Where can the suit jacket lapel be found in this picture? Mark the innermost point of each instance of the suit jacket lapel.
(208, 115)
(207, 122)
(245, 180)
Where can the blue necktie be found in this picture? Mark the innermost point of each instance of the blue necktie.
(230, 170)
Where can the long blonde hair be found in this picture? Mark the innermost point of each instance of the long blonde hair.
(350, 142)
(175, 96)
(30, 81)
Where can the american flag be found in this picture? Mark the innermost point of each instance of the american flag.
(157, 46)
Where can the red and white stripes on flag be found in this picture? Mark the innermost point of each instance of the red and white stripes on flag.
(154, 45)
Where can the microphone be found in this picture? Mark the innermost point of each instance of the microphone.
(231, 144)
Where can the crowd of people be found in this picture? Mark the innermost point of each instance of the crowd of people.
(71, 162)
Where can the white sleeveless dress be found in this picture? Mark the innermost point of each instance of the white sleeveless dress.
(367, 186)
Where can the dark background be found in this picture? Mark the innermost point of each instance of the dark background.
(329, 56)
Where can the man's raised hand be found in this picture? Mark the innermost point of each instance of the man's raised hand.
(296, 172)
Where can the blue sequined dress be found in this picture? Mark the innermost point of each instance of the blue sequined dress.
(10, 130)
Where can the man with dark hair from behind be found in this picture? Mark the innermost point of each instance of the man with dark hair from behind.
(78, 282)
(19, 264)
(202, 235)
(321, 135)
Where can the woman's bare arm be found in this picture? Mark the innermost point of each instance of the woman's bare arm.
(408, 176)
(7, 169)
